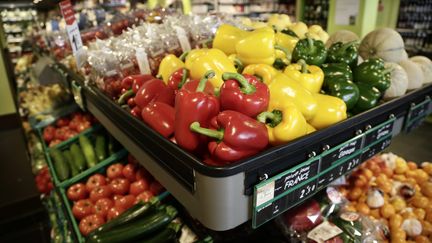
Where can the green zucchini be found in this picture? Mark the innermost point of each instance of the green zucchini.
(100, 147)
(88, 150)
(136, 211)
(60, 165)
(68, 158)
(136, 229)
(164, 236)
(78, 157)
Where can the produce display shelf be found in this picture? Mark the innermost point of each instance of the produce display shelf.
(221, 198)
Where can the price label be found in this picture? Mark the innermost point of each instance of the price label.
(341, 151)
(379, 131)
(376, 147)
(340, 168)
(417, 114)
(283, 191)
(72, 28)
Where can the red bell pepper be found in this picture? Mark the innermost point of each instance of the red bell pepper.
(238, 136)
(154, 90)
(190, 107)
(178, 78)
(136, 112)
(160, 117)
(245, 94)
(135, 81)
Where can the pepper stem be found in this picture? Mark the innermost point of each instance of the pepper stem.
(183, 56)
(310, 42)
(272, 119)
(283, 49)
(238, 65)
(347, 45)
(246, 87)
(185, 74)
(196, 127)
(303, 66)
(209, 74)
(122, 99)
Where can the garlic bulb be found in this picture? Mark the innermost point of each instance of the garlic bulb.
(412, 227)
(375, 198)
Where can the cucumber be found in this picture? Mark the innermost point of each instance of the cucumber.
(164, 236)
(100, 147)
(136, 229)
(68, 157)
(60, 165)
(136, 211)
(78, 157)
(113, 145)
(88, 151)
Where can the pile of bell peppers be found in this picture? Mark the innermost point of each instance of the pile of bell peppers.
(231, 102)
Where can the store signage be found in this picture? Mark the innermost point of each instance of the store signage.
(289, 188)
(417, 114)
(72, 29)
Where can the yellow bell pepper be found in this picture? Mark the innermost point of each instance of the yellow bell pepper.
(263, 71)
(169, 64)
(330, 110)
(237, 63)
(287, 41)
(286, 123)
(300, 29)
(226, 38)
(257, 47)
(316, 32)
(310, 128)
(199, 61)
(252, 24)
(284, 89)
(309, 76)
(279, 21)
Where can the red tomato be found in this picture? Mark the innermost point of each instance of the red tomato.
(143, 174)
(129, 172)
(336, 239)
(77, 192)
(156, 188)
(54, 142)
(144, 196)
(115, 171)
(138, 186)
(125, 202)
(304, 217)
(82, 126)
(117, 197)
(114, 212)
(90, 223)
(119, 186)
(62, 122)
(48, 133)
(100, 192)
(95, 181)
(82, 208)
(60, 133)
(102, 206)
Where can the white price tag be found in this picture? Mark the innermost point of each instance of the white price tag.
(265, 193)
(71, 27)
(324, 231)
(143, 62)
(183, 39)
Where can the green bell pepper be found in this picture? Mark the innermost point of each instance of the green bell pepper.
(343, 53)
(332, 70)
(310, 50)
(373, 72)
(368, 99)
(342, 88)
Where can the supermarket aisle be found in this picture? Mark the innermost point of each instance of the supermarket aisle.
(415, 146)
(23, 218)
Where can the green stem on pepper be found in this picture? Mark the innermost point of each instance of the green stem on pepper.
(388, 70)
(196, 127)
(209, 74)
(238, 65)
(183, 56)
(283, 49)
(245, 86)
(310, 43)
(185, 74)
(271, 119)
(347, 45)
(122, 99)
(304, 67)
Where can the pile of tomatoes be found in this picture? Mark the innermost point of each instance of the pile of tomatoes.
(104, 197)
(43, 181)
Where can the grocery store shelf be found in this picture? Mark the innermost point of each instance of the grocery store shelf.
(221, 197)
